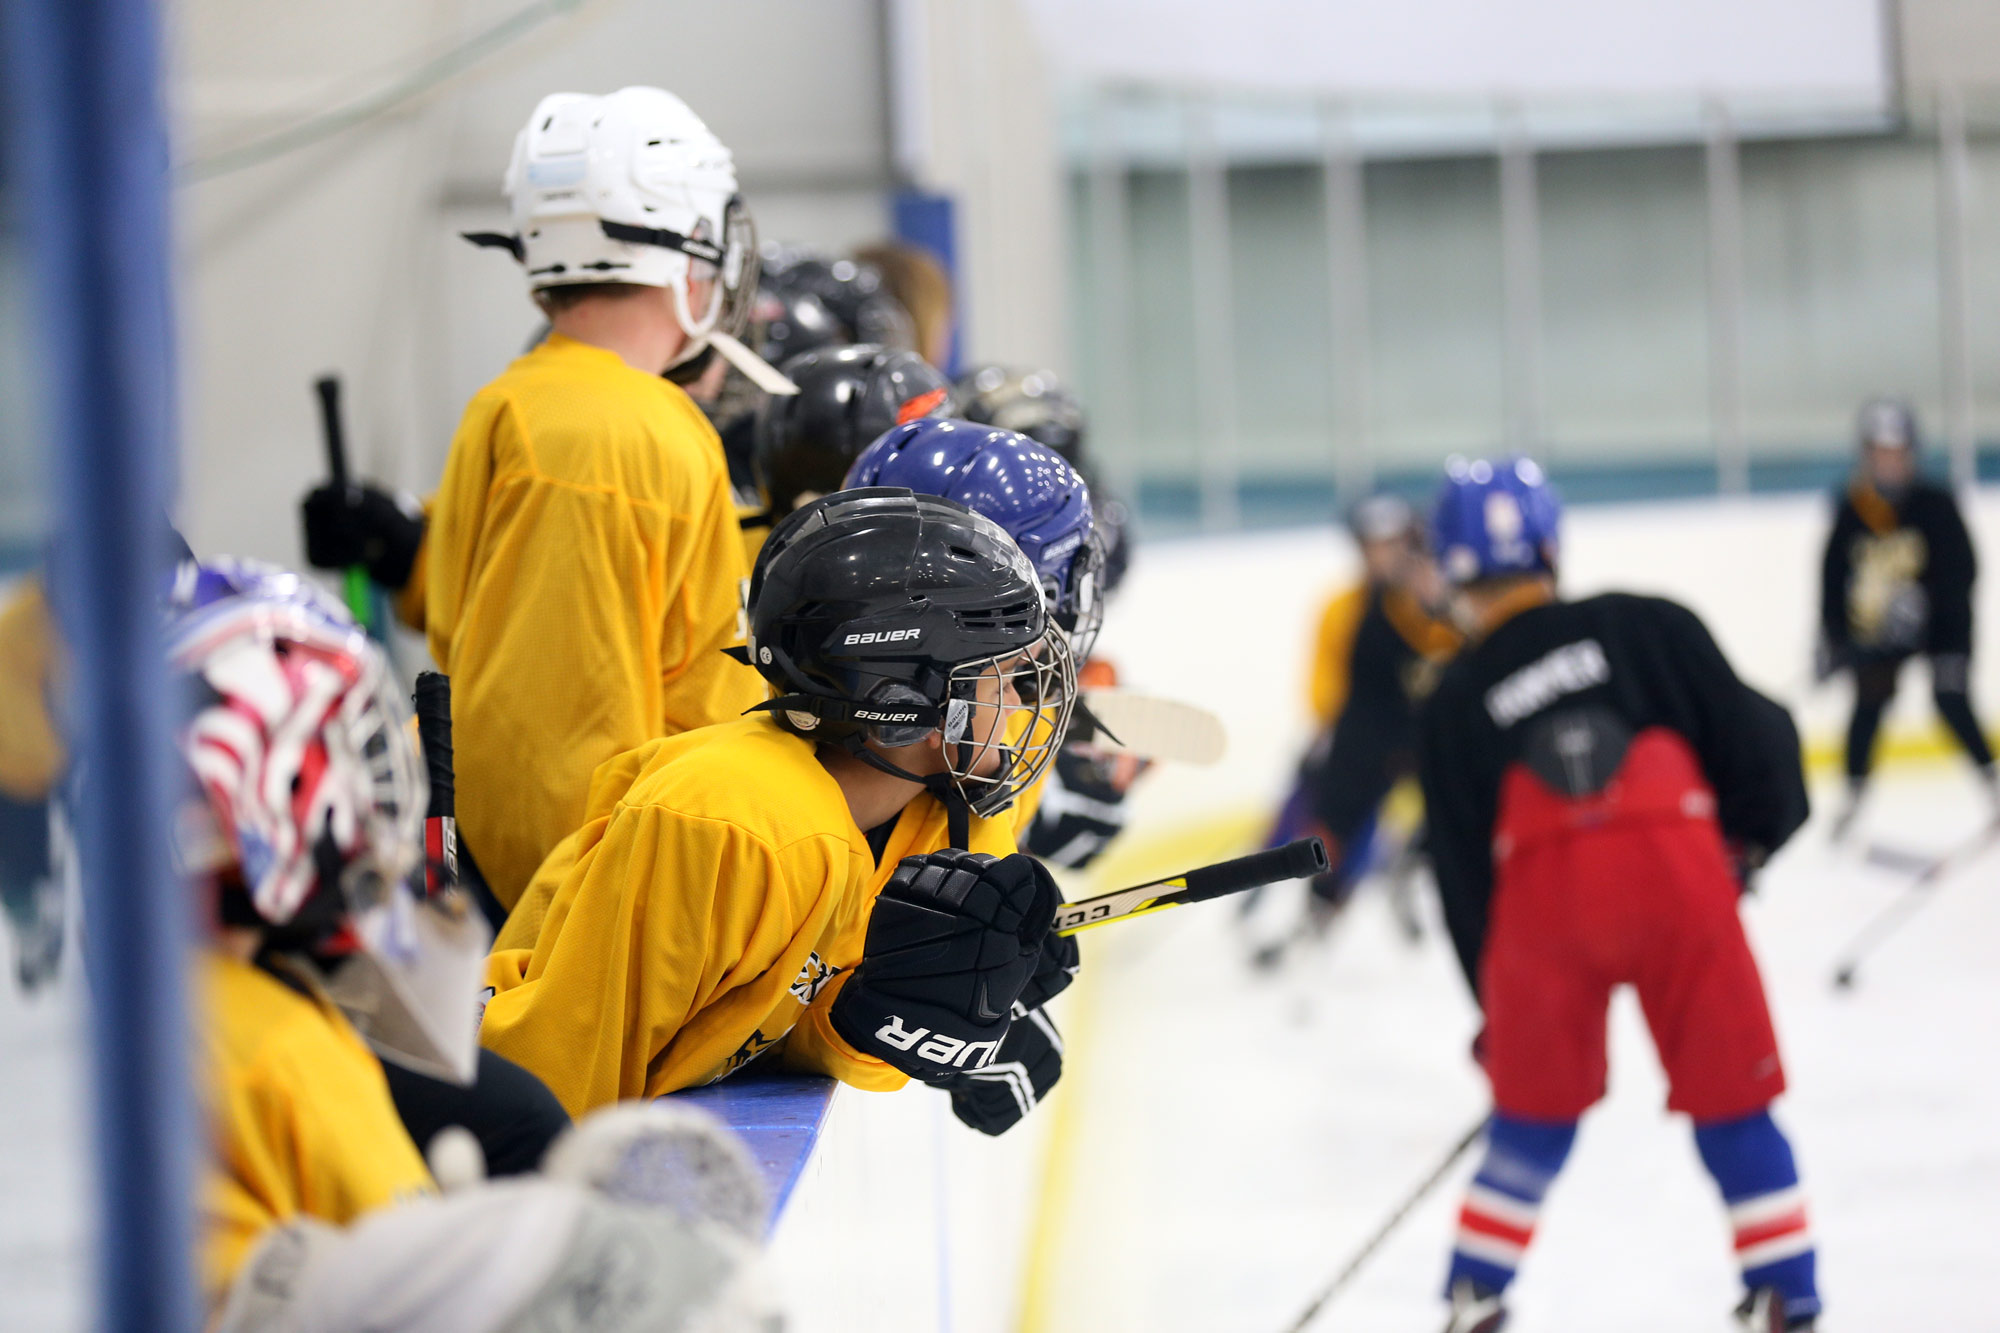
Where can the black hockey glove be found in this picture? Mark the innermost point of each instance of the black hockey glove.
(995, 1099)
(1054, 970)
(953, 939)
(1083, 807)
(363, 525)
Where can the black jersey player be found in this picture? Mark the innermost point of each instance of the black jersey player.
(1597, 780)
(1896, 582)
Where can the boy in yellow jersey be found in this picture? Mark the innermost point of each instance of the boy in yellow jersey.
(305, 825)
(583, 564)
(831, 882)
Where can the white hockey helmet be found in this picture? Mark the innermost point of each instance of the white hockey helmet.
(633, 188)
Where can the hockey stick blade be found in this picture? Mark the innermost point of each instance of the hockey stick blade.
(1925, 875)
(1156, 728)
(1295, 860)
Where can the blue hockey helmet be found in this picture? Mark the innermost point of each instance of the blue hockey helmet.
(1023, 485)
(1494, 519)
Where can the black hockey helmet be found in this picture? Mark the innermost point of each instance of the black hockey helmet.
(847, 397)
(854, 292)
(1041, 407)
(879, 614)
(792, 321)
(1385, 516)
(1033, 402)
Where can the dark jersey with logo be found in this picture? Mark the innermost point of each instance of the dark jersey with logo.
(1559, 689)
(1897, 574)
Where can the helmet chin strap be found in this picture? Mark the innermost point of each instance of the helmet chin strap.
(957, 813)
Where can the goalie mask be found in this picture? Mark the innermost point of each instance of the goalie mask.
(312, 807)
(1023, 485)
(633, 188)
(887, 616)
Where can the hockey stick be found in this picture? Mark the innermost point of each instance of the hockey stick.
(433, 706)
(1383, 1232)
(1295, 860)
(333, 433)
(1152, 727)
(1926, 874)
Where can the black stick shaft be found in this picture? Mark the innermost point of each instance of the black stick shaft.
(1295, 860)
(433, 705)
(332, 429)
(1388, 1228)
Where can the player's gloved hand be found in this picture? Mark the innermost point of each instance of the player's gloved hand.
(363, 525)
(953, 940)
(1083, 807)
(1054, 970)
(995, 1099)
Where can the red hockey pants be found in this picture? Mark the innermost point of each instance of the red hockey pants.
(1631, 886)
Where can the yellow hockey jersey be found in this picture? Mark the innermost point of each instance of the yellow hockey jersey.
(31, 749)
(1333, 646)
(300, 1113)
(583, 572)
(706, 915)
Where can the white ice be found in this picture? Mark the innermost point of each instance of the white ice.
(1230, 1139)
(1244, 1134)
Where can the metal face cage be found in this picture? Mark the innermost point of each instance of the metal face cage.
(1005, 718)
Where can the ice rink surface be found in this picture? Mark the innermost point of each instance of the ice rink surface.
(1223, 1140)
(1246, 1132)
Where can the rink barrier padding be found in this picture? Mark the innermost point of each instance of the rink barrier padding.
(780, 1117)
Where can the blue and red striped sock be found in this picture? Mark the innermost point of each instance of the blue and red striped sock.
(1751, 1161)
(1505, 1198)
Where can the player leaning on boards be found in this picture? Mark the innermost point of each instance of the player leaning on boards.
(1598, 782)
(583, 561)
(829, 882)
(1031, 491)
(1896, 581)
(304, 822)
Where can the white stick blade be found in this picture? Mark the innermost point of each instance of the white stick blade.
(1157, 728)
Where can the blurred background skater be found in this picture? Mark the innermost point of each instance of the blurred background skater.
(1896, 582)
(1376, 655)
(1600, 786)
(32, 762)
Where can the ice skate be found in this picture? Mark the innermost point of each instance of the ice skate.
(1843, 823)
(1475, 1309)
(1763, 1311)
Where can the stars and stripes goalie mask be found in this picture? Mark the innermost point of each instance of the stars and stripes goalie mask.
(308, 809)
(881, 615)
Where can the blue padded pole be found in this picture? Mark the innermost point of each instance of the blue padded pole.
(91, 179)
